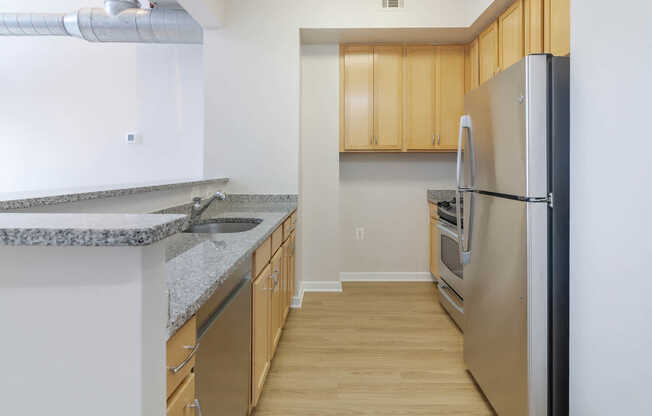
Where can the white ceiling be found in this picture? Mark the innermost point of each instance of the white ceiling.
(480, 14)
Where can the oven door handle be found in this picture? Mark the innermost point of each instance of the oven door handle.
(441, 288)
(449, 232)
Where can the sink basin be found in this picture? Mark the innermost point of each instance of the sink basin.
(224, 226)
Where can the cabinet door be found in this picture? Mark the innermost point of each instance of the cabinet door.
(275, 310)
(285, 281)
(260, 332)
(358, 74)
(488, 52)
(434, 252)
(474, 56)
(511, 36)
(450, 95)
(557, 27)
(533, 10)
(388, 97)
(293, 266)
(183, 400)
(420, 97)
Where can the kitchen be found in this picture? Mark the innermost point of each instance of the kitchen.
(258, 102)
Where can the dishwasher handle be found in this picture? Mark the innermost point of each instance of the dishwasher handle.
(220, 310)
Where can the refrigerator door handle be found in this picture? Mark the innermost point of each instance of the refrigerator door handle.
(465, 235)
(465, 123)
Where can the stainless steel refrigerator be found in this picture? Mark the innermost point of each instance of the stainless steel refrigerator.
(513, 174)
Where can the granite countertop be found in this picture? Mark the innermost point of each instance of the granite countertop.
(436, 195)
(31, 199)
(87, 230)
(198, 264)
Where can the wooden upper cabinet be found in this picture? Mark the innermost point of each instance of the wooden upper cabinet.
(511, 36)
(488, 52)
(388, 96)
(557, 27)
(420, 129)
(450, 95)
(472, 66)
(467, 68)
(533, 17)
(358, 91)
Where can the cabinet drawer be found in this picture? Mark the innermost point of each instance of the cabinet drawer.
(262, 256)
(182, 403)
(180, 359)
(277, 239)
(433, 211)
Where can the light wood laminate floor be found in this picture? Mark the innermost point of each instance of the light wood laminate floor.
(375, 349)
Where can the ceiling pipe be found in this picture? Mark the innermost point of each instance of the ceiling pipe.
(118, 21)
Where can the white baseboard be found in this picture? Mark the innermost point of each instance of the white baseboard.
(387, 277)
(297, 300)
(321, 286)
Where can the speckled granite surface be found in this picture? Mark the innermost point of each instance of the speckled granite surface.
(436, 195)
(198, 264)
(23, 200)
(89, 230)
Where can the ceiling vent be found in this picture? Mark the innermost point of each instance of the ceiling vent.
(393, 4)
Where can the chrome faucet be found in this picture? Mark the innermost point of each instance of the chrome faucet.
(198, 208)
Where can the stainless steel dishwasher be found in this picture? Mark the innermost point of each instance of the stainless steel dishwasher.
(223, 368)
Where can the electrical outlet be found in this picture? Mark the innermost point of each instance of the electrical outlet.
(133, 138)
(359, 233)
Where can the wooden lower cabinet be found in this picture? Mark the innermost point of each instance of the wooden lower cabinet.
(434, 242)
(292, 268)
(276, 305)
(272, 291)
(180, 356)
(182, 402)
(260, 331)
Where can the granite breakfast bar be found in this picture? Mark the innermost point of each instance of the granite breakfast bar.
(115, 286)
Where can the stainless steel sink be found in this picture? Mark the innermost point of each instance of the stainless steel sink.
(224, 226)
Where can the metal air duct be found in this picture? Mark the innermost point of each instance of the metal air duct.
(118, 21)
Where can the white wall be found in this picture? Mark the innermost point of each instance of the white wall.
(318, 236)
(67, 105)
(611, 255)
(252, 78)
(386, 195)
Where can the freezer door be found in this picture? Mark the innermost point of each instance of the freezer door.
(509, 127)
(505, 334)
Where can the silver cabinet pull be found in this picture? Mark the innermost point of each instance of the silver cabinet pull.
(178, 368)
(433, 139)
(195, 405)
(437, 140)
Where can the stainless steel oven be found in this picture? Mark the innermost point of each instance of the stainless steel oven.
(451, 286)
(450, 266)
